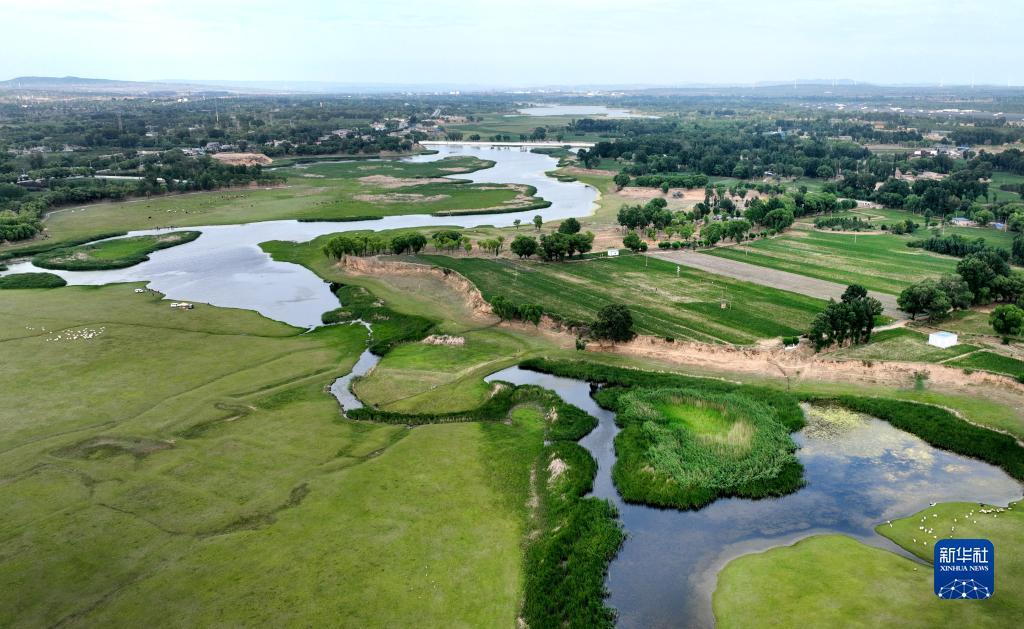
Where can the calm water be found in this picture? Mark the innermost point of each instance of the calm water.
(341, 388)
(226, 267)
(667, 569)
(580, 110)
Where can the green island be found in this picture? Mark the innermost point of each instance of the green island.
(683, 449)
(118, 253)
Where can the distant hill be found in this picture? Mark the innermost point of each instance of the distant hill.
(87, 86)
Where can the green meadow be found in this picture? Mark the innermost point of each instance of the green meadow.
(834, 580)
(214, 474)
(321, 191)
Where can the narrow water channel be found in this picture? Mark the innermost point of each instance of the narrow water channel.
(857, 478)
(342, 387)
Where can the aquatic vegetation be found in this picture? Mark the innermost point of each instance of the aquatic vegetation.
(686, 447)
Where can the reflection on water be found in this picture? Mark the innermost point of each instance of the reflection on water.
(580, 110)
(226, 267)
(858, 475)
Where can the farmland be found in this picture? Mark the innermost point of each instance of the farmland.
(904, 345)
(878, 262)
(687, 305)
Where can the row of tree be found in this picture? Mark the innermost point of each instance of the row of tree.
(852, 319)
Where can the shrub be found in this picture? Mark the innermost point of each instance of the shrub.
(32, 280)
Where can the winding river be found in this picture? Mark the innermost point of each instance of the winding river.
(226, 267)
(666, 570)
(861, 477)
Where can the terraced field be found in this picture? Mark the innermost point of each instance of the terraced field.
(683, 305)
(878, 262)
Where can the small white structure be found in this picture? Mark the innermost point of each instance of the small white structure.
(612, 252)
(942, 339)
(183, 305)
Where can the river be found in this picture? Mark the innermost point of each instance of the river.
(226, 267)
(667, 570)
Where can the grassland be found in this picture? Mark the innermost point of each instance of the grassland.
(514, 125)
(833, 580)
(111, 254)
(901, 344)
(683, 305)
(211, 480)
(418, 377)
(321, 191)
(878, 262)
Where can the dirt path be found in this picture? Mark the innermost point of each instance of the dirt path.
(774, 278)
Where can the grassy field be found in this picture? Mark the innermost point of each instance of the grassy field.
(833, 580)
(319, 191)
(902, 344)
(879, 216)
(211, 480)
(991, 361)
(683, 306)
(111, 254)
(877, 262)
(999, 178)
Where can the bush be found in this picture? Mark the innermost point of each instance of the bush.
(32, 280)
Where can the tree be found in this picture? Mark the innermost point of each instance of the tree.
(854, 292)
(983, 217)
(712, 233)
(1017, 252)
(524, 246)
(980, 269)
(778, 219)
(957, 291)
(925, 297)
(517, 222)
(554, 246)
(621, 180)
(1007, 320)
(569, 226)
(614, 323)
(633, 242)
(538, 220)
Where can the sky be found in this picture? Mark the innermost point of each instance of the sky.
(523, 43)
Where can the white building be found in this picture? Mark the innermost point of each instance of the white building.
(942, 339)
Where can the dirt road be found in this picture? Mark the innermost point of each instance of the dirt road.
(771, 277)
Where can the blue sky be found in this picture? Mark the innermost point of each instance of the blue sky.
(521, 43)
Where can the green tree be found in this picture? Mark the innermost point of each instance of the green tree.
(614, 323)
(524, 246)
(517, 222)
(538, 220)
(569, 226)
(621, 180)
(633, 242)
(1007, 320)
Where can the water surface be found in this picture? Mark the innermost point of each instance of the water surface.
(667, 569)
(581, 110)
(226, 267)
